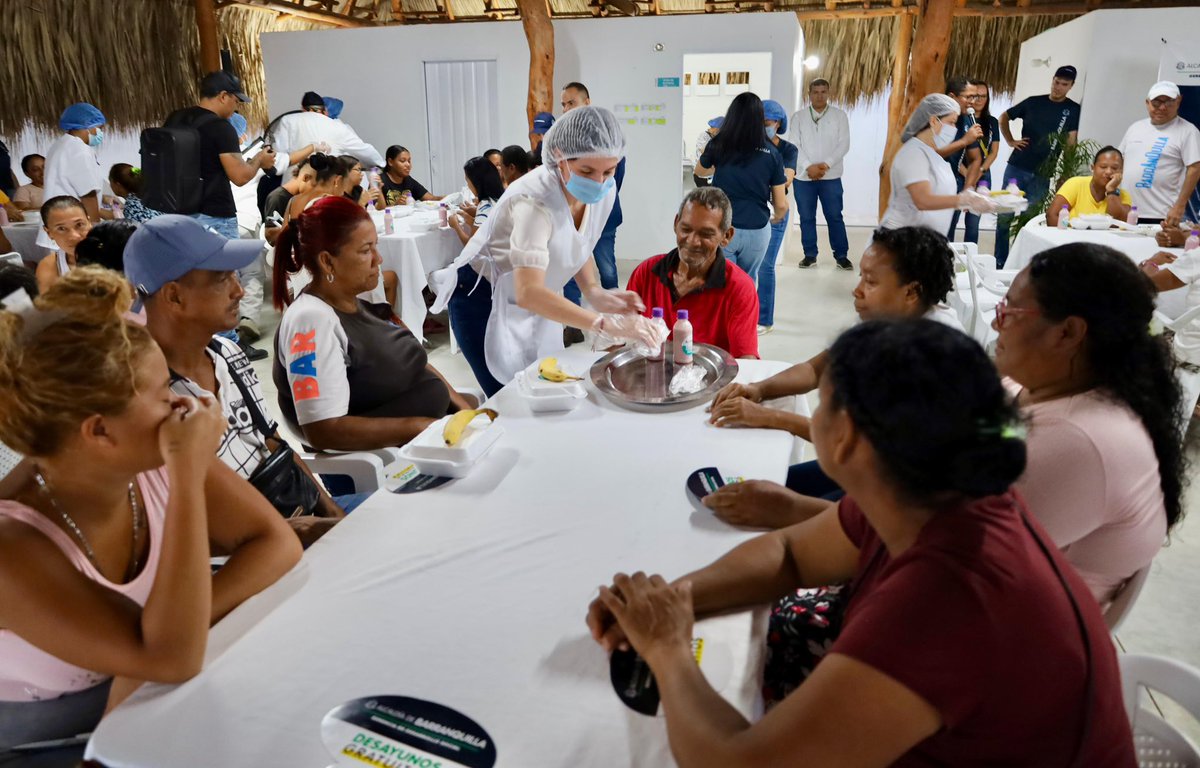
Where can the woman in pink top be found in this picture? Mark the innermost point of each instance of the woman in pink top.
(1105, 471)
(105, 543)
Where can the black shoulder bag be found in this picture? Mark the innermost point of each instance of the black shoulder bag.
(279, 477)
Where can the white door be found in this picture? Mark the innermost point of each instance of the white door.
(462, 110)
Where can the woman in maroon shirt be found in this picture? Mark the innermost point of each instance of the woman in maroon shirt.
(968, 640)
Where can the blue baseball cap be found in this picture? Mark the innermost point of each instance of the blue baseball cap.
(333, 106)
(167, 247)
(80, 117)
(542, 122)
(717, 121)
(773, 110)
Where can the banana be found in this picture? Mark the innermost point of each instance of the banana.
(548, 369)
(452, 433)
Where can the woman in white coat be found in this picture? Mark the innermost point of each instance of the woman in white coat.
(923, 188)
(507, 308)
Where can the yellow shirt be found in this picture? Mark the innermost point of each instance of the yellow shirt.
(1077, 192)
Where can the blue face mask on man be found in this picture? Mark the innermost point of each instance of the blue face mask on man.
(96, 139)
(770, 131)
(588, 191)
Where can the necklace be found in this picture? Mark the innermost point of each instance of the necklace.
(87, 548)
(813, 114)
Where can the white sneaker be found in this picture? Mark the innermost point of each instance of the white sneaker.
(763, 330)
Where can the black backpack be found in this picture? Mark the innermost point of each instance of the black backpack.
(171, 177)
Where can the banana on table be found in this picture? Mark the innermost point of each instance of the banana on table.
(452, 433)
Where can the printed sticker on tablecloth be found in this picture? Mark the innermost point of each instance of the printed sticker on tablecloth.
(635, 684)
(395, 731)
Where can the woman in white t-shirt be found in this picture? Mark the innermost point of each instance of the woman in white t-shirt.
(486, 186)
(923, 188)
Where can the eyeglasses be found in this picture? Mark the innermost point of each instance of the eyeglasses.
(1004, 311)
(975, 97)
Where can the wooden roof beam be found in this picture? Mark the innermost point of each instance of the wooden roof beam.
(626, 7)
(301, 11)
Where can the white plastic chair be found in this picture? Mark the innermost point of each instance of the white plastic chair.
(1158, 743)
(1126, 596)
(366, 469)
(1190, 390)
(12, 258)
(972, 299)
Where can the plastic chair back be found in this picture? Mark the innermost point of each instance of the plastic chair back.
(1158, 743)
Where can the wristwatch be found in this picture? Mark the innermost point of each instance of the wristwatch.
(1115, 193)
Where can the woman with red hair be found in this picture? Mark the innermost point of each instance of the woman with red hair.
(346, 378)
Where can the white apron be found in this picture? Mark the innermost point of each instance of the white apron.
(516, 337)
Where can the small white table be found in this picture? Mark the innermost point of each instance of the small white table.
(1032, 240)
(23, 236)
(473, 595)
(413, 252)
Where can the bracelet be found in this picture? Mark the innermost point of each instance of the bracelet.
(1115, 193)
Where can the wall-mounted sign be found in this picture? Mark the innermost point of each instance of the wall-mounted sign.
(668, 82)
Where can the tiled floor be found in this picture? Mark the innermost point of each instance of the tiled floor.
(812, 306)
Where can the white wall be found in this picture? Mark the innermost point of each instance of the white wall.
(699, 109)
(1066, 44)
(616, 58)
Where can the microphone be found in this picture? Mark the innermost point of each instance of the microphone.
(970, 116)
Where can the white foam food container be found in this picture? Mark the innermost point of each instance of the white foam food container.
(478, 438)
(1092, 221)
(548, 396)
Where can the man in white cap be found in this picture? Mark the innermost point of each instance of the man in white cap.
(1162, 158)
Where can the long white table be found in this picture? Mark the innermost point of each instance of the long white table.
(413, 253)
(473, 595)
(1032, 240)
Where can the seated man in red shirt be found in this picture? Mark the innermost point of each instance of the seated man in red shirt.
(720, 298)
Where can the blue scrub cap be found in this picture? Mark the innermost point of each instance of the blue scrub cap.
(80, 117)
(773, 110)
(333, 106)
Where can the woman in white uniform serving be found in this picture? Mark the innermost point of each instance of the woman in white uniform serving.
(923, 190)
(509, 310)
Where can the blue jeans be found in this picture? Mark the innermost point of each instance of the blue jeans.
(1036, 188)
(748, 247)
(971, 224)
(605, 254)
(766, 273)
(469, 313)
(829, 193)
(350, 501)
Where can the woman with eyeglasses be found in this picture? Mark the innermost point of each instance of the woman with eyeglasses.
(1105, 474)
(982, 154)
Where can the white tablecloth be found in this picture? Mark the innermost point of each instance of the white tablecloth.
(413, 255)
(473, 596)
(23, 237)
(1032, 240)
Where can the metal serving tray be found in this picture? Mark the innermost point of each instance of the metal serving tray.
(631, 381)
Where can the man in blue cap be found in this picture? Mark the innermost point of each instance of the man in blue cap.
(707, 135)
(186, 276)
(71, 164)
(541, 124)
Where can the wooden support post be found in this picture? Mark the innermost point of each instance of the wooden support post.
(539, 33)
(896, 116)
(926, 74)
(206, 24)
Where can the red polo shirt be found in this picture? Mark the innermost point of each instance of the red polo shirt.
(723, 312)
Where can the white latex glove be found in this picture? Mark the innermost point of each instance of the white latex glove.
(636, 328)
(616, 301)
(974, 202)
(322, 147)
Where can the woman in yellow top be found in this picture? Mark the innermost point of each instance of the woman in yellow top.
(1099, 193)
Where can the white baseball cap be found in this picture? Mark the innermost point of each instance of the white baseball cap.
(1163, 88)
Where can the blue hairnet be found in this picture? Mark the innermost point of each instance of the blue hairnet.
(239, 123)
(333, 106)
(717, 121)
(773, 110)
(80, 117)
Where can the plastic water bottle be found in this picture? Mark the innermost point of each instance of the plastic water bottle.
(656, 316)
(1013, 188)
(682, 334)
(1064, 217)
(443, 215)
(1192, 242)
(1132, 218)
(389, 221)
(984, 188)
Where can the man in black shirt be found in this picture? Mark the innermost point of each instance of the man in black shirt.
(8, 180)
(1042, 119)
(221, 161)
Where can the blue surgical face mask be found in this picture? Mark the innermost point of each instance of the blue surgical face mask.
(770, 131)
(96, 139)
(589, 191)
